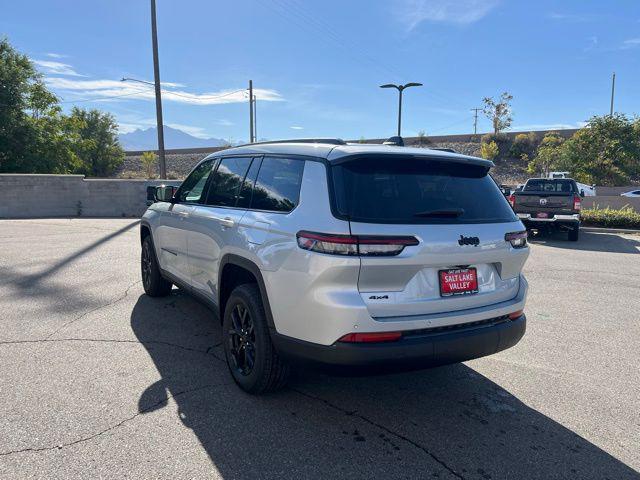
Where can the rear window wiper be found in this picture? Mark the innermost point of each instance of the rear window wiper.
(452, 213)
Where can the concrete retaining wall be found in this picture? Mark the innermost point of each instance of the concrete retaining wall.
(615, 202)
(29, 196)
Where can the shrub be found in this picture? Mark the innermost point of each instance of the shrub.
(148, 161)
(493, 137)
(489, 150)
(524, 143)
(626, 217)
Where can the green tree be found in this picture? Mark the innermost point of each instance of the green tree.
(498, 111)
(606, 151)
(549, 156)
(97, 146)
(148, 161)
(489, 150)
(34, 136)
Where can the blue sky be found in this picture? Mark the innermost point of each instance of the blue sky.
(317, 65)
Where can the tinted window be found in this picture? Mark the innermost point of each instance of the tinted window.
(417, 190)
(192, 188)
(278, 185)
(246, 191)
(543, 185)
(226, 181)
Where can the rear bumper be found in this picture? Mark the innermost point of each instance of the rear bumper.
(573, 218)
(417, 349)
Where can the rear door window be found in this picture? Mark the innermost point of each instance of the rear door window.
(417, 190)
(226, 181)
(277, 187)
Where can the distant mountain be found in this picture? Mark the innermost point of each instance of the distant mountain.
(173, 138)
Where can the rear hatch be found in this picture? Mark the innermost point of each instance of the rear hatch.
(458, 215)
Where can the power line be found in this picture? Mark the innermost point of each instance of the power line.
(452, 125)
(291, 10)
(104, 98)
(203, 97)
(199, 97)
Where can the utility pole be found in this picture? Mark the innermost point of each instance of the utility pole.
(255, 118)
(613, 91)
(251, 135)
(156, 77)
(475, 120)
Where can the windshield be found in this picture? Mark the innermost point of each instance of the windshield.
(417, 190)
(542, 185)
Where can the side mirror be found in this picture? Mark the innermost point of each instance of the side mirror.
(582, 193)
(165, 193)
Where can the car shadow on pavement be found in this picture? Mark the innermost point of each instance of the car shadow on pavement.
(595, 242)
(448, 422)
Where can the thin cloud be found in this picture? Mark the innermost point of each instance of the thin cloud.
(73, 89)
(296, 127)
(461, 12)
(56, 55)
(630, 43)
(548, 126)
(572, 17)
(57, 68)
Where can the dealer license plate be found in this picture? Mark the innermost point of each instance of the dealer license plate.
(458, 281)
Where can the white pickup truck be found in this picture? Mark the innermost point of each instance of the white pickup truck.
(585, 190)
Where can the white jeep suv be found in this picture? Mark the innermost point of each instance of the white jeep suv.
(348, 256)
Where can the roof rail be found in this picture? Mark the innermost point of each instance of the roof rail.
(450, 150)
(329, 141)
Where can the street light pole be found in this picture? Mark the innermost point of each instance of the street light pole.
(400, 89)
(156, 76)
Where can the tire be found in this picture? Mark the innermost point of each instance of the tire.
(252, 360)
(574, 233)
(152, 281)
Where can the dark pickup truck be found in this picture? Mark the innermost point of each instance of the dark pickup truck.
(549, 204)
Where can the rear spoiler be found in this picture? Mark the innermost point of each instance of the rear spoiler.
(432, 155)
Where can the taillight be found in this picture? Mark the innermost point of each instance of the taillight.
(512, 200)
(366, 245)
(577, 203)
(516, 315)
(371, 337)
(517, 239)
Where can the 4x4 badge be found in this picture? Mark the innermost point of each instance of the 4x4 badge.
(475, 241)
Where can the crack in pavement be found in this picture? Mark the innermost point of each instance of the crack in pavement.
(354, 413)
(112, 302)
(112, 427)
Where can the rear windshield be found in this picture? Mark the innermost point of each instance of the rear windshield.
(543, 185)
(417, 190)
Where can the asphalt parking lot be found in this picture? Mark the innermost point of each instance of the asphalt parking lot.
(98, 380)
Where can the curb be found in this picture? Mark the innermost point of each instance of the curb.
(610, 230)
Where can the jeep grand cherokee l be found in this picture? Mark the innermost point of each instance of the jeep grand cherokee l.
(349, 256)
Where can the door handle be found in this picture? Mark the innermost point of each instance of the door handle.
(227, 222)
